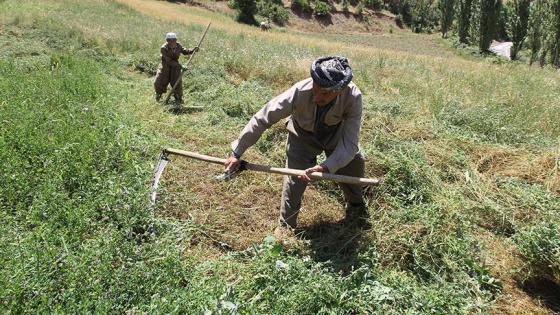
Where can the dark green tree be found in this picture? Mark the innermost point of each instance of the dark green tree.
(419, 15)
(423, 16)
(518, 13)
(555, 35)
(464, 16)
(246, 10)
(487, 17)
(447, 13)
(538, 20)
(394, 6)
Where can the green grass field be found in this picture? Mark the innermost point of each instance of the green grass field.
(465, 220)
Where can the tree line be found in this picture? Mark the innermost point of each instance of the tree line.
(532, 25)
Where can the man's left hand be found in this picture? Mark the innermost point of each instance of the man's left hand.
(196, 49)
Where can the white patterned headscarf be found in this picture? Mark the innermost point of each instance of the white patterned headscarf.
(331, 72)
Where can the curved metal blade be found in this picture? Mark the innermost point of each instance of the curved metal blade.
(158, 170)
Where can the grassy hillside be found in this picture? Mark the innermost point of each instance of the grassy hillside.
(465, 219)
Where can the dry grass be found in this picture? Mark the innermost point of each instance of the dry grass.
(240, 212)
(541, 168)
(500, 256)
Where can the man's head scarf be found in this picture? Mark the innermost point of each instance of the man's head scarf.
(331, 72)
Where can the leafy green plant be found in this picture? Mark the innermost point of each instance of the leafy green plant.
(76, 180)
(321, 8)
(246, 10)
(540, 246)
(304, 5)
(406, 180)
(360, 8)
(374, 4)
(275, 11)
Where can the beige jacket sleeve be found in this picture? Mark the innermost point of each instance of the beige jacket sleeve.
(278, 108)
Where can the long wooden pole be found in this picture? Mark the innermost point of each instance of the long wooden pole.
(278, 170)
(188, 62)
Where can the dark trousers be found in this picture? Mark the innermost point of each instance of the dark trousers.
(302, 155)
(167, 75)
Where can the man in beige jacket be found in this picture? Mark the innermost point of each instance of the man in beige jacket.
(324, 115)
(169, 70)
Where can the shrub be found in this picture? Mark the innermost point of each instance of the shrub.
(322, 8)
(303, 5)
(373, 4)
(246, 10)
(345, 4)
(360, 8)
(274, 11)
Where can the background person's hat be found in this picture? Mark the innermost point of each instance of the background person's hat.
(171, 36)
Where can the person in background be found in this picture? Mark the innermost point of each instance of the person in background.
(169, 70)
(324, 114)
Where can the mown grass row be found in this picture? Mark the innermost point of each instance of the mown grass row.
(81, 136)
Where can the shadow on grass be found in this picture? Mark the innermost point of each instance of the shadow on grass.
(337, 242)
(176, 1)
(182, 110)
(544, 290)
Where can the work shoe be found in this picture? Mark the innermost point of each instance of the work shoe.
(158, 98)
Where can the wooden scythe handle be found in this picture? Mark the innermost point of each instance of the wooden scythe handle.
(278, 170)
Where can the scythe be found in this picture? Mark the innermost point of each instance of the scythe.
(163, 160)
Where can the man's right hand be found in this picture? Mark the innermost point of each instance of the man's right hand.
(232, 163)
